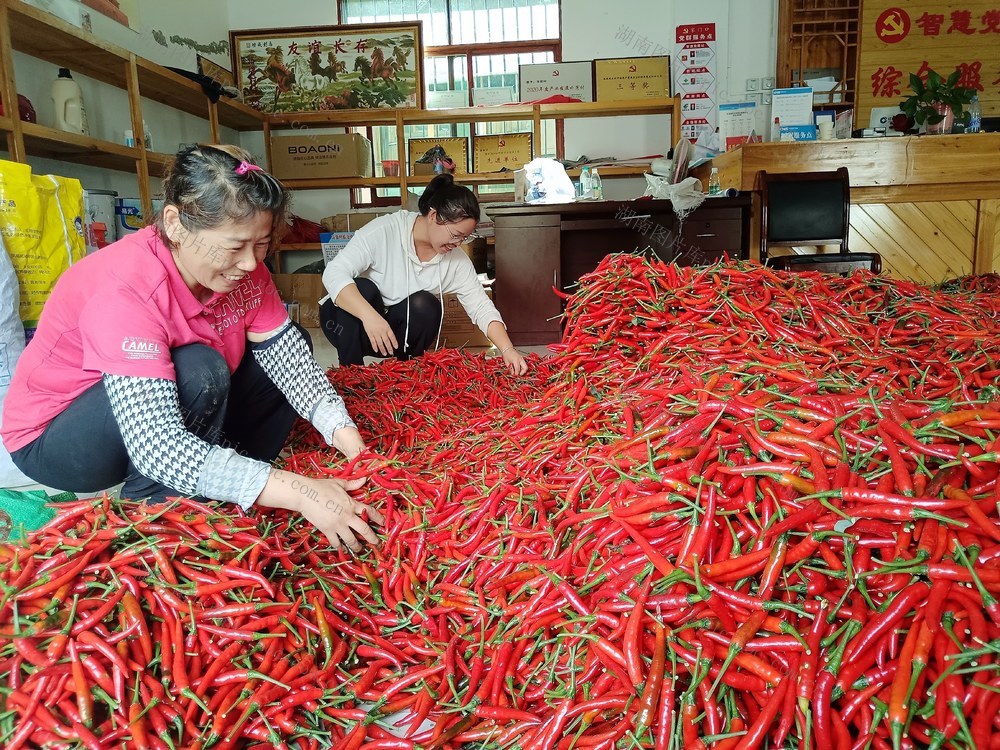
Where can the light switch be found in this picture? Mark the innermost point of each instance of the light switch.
(766, 97)
(767, 83)
(753, 84)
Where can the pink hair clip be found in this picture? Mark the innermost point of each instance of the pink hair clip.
(245, 166)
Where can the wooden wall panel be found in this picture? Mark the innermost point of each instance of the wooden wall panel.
(899, 37)
(925, 242)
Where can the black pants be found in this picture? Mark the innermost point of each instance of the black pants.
(82, 449)
(347, 333)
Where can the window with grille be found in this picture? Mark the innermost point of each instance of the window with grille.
(468, 44)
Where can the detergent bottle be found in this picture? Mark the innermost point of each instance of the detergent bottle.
(68, 100)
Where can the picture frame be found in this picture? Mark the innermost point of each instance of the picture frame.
(320, 68)
(216, 72)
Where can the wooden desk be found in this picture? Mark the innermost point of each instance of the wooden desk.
(929, 205)
(539, 247)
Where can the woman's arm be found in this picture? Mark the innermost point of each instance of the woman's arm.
(497, 333)
(285, 357)
(148, 414)
(378, 329)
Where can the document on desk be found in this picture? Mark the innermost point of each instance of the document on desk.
(792, 106)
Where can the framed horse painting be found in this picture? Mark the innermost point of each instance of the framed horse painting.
(318, 68)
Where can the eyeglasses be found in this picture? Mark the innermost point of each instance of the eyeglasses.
(460, 240)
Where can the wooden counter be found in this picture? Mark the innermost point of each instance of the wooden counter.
(539, 247)
(928, 204)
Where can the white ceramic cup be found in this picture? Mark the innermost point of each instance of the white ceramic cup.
(825, 130)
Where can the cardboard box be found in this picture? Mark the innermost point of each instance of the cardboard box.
(349, 222)
(491, 153)
(298, 157)
(304, 288)
(631, 78)
(542, 80)
(456, 148)
(457, 330)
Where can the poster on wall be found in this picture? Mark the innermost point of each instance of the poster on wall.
(310, 69)
(695, 78)
(897, 39)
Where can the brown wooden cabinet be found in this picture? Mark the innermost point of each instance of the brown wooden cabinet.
(539, 247)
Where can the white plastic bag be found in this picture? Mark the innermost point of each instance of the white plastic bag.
(685, 195)
(547, 182)
(11, 346)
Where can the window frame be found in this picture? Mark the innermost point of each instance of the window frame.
(524, 46)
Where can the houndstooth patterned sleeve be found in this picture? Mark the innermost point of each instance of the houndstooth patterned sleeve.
(148, 413)
(286, 359)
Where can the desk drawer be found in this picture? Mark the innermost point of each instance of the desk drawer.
(712, 236)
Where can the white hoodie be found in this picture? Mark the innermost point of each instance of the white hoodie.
(383, 251)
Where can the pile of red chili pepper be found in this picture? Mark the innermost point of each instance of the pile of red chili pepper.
(737, 508)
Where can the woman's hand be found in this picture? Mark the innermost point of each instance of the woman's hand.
(380, 334)
(348, 441)
(515, 361)
(325, 504)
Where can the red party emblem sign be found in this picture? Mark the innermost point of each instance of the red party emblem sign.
(893, 25)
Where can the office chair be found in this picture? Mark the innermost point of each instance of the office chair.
(805, 208)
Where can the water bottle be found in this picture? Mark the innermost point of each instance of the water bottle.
(595, 185)
(714, 186)
(975, 116)
(586, 186)
(68, 100)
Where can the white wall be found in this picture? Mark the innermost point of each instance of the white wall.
(747, 40)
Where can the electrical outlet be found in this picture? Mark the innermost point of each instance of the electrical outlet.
(767, 83)
(753, 84)
(766, 97)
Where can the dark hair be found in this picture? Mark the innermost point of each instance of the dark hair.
(452, 202)
(211, 184)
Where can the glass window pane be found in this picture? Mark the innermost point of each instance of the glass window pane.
(478, 21)
(434, 14)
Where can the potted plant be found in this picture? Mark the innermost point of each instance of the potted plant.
(938, 103)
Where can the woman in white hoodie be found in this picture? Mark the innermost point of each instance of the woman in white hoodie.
(387, 285)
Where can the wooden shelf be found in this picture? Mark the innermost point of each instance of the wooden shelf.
(49, 143)
(464, 179)
(354, 118)
(533, 112)
(158, 163)
(238, 116)
(315, 246)
(333, 119)
(341, 182)
(46, 37)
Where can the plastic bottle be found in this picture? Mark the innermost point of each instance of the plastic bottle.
(596, 187)
(975, 116)
(776, 130)
(714, 187)
(71, 116)
(586, 187)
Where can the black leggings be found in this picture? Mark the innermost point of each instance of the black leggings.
(82, 449)
(347, 333)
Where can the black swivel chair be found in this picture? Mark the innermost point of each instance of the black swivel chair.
(809, 209)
